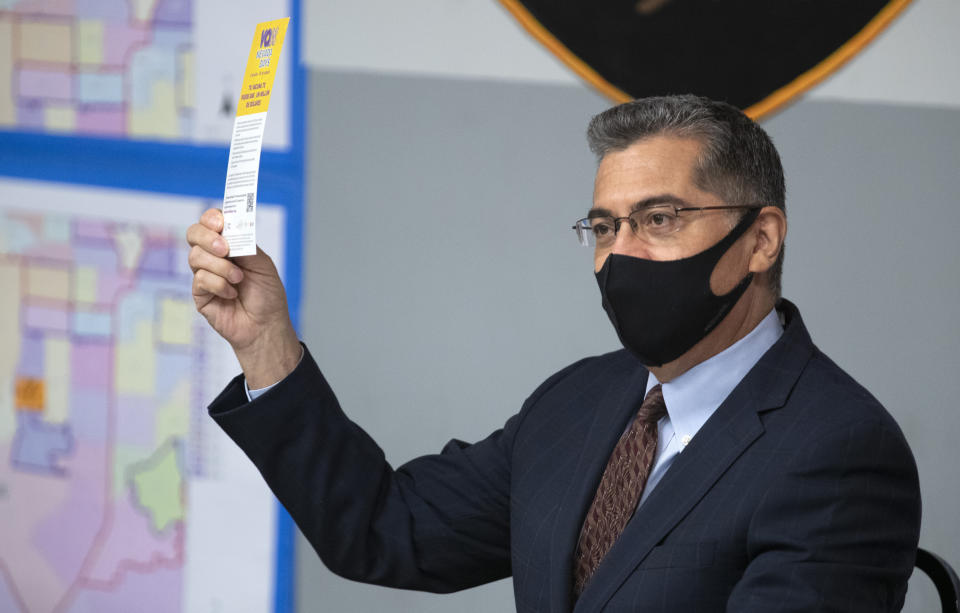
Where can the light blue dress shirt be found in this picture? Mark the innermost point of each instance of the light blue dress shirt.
(692, 397)
(254, 394)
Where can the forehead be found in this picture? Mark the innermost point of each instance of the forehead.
(652, 166)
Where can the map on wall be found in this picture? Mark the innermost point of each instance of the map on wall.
(166, 70)
(113, 480)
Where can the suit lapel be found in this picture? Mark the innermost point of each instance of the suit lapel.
(692, 474)
(610, 418)
(733, 427)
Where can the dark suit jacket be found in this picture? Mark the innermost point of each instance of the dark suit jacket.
(798, 494)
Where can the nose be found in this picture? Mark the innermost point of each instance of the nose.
(626, 242)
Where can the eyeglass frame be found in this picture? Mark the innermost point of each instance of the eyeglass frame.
(617, 221)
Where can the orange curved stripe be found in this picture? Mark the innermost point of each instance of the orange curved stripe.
(548, 40)
(772, 103)
(830, 64)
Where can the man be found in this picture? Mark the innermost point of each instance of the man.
(718, 462)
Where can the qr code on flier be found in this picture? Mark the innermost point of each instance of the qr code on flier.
(250, 201)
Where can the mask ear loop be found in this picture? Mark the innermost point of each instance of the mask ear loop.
(738, 290)
(738, 230)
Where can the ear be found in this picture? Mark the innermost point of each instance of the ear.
(770, 230)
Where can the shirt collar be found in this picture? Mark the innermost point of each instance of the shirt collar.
(692, 397)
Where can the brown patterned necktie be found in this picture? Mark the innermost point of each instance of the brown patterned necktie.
(620, 488)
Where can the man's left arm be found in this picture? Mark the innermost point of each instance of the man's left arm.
(839, 532)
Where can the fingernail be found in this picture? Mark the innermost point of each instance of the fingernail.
(236, 276)
(219, 245)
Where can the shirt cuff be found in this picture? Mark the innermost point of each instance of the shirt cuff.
(254, 394)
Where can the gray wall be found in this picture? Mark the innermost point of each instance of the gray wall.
(442, 282)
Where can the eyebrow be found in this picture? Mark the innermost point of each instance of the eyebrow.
(642, 204)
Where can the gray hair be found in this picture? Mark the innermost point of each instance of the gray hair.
(738, 161)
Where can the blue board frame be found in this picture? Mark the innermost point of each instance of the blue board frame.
(199, 172)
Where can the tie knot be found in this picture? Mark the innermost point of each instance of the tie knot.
(653, 407)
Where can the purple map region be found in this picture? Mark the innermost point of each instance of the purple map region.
(174, 12)
(39, 446)
(31, 356)
(159, 259)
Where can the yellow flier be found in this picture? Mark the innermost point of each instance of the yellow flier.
(262, 66)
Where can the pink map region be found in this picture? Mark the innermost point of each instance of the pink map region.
(162, 588)
(131, 545)
(97, 252)
(77, 542)
(51, 251)
(87, 362)
(46, 318)
(64, 8)
(99, 121)
(91, 229)
(112, 286)
(29, 574)
(46, 84)
(65, 535)
(120, 40)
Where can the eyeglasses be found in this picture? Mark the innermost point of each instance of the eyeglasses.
(650, 223)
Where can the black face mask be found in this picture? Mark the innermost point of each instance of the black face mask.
(662, 309)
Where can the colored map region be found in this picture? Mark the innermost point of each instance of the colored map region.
(98, 414)
(118, 68)
(148, 70)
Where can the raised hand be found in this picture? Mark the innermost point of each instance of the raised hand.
(244, 301)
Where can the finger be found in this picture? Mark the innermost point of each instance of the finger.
(200, 236)
(200, 259)
(260, 263)
(205, 282)
(213, 219)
